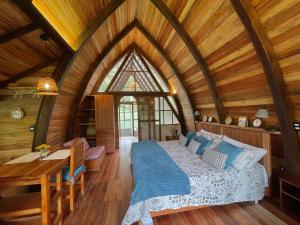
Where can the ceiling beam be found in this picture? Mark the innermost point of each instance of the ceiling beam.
(135, 93)
(118, 71)
(33, 13)
(28, 72)
(274, 77)
(169, 61)
(48, 102)
(190, 44)
(17, 33)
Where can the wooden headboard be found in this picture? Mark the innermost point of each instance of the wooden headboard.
(253, 136)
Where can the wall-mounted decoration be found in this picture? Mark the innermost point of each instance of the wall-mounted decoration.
(17, 114)
(228, 120)
(243, 121)
(257, 122)
(210, 119)
(197, 115)
(204, 118)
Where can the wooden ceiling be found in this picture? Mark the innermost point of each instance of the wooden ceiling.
(223, 57)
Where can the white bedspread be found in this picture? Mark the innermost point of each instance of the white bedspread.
(208, 186)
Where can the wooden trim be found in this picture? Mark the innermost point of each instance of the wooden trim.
(44, 116)
(17, 33)
(167, 13)
(273, 73)
(119, 71)
(33, 13)
(173, 211)
(135, 93)
(27, 72)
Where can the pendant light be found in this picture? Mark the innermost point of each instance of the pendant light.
(46, 85)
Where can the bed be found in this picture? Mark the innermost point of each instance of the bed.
(208, 186)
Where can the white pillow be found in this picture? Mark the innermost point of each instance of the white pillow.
(209, 135)
(182, 140)
(193, 146)
(248, 157)
(215, 159)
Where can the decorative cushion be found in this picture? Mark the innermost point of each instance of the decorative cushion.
(94, 153)
(193, 146)
(209, 135)
(190, 135)
(248, 157)
(66, 172)
(69, 143)
(215, 159)
(230, 150)
(86, 145)
(182, 140)
(205, 144)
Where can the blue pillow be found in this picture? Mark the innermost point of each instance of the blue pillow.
(205, 143)
(230, 150)
(190, 135)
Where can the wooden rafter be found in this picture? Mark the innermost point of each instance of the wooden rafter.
(32, 12)
(17, 33)
(190, 44)
(273, 73)
(44, 115)
(169, 61)
(28, 72)
(118, 72)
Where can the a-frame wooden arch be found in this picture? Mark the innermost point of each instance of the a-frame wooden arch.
(107, 49)
(273, 74)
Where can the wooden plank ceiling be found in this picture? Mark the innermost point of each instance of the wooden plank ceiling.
(212, 29)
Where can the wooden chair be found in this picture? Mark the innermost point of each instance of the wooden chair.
(76, 170)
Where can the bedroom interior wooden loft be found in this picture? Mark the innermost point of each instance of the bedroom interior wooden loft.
(90, 78)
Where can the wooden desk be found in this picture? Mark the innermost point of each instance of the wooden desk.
(36, 172)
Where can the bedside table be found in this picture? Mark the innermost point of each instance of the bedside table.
(290, 195)
(171, 138)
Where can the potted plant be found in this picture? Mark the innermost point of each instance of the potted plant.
(43, 148)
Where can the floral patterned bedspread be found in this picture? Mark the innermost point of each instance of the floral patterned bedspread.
(208, 186)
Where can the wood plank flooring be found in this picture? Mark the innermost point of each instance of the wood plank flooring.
(108, 192)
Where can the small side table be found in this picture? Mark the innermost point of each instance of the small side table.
(290, 195)
(171, 138)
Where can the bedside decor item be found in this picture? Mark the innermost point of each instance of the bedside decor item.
(17, 114)
(174, 132)
(243, 121)
(228, 120)
(260, 114)
(197, 115)
(43, 148)
(210, 119)
(204, 118)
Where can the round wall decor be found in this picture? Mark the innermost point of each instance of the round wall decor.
(257, 122)
(228, 120)
(17, 114)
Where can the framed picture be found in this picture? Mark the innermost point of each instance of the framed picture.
(243, 121)
(210, 119)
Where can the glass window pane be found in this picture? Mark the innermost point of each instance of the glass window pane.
(157, 115)
(128, 124)
(127, 116)
(175, 121)
(168, 117)
(156, 103)
(135, 114)
(162, 117)
(166, 105)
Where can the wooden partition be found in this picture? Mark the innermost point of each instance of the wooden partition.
(105, 122)
(257, 137)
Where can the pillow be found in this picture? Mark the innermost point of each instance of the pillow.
(209, 135)
(190, 135)
(69, 143)
(231, 150)
(249, 156)
(86, 145)
(193, 146)
(182, 140)
(215, 159)
(205, 144)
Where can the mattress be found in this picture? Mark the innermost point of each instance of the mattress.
(208, 186)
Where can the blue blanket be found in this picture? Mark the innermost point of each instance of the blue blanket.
(155, 173)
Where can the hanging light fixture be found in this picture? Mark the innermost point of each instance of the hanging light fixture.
(46, 85)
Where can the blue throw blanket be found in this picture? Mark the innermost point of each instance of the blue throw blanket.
(155, 173)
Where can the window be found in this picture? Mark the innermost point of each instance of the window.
(163, 112)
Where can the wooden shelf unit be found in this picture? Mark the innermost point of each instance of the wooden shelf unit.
(87, 122)
(290, 195)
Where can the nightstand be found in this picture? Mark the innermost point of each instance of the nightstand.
(171, 138)
(290, 195)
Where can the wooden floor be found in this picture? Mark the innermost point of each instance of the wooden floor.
(108, 193)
